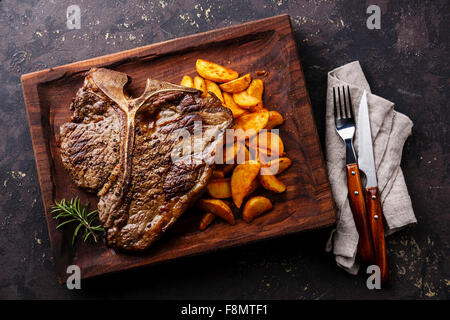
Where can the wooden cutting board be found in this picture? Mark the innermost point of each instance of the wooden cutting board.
(266, 44)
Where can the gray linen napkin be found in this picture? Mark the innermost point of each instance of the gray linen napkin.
(389, 132)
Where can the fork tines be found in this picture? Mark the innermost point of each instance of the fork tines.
(345, 109)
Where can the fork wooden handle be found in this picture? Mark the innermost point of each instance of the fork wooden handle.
(357, 204)
(376, 223)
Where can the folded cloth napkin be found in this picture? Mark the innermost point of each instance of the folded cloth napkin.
(389, 132)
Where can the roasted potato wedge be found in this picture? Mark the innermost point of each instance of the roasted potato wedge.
(269, 142)
(214, 88)
(219, 188)
(218, 208)
(271, 183)
(244, 100)
(256, 108)
(199, 84)
(276, 166)
(229, 153)
(207, 219)
(254, 207)
(241, 180)
(275, 119)
(187, 82)
(235, 153)
(260, 155)
(237, 85)
(256, 121)
(243, 154)
(254, 186)
(237, 112)
(256, 89)
(230, 104)
(215, 72)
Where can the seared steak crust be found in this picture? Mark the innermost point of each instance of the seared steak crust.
(133, 152)
(90, 142)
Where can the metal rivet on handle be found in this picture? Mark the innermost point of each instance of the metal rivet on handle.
(374, 197)
(356, 192)
(375, 217)
(353, 173)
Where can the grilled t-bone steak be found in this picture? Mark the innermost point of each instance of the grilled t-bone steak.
(124, 149)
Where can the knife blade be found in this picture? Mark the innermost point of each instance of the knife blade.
(366, 160)
(366, 164)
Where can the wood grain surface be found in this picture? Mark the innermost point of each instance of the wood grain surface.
(266, 44)
(376, 223)
(358, 206)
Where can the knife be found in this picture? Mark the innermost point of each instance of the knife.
(373, 204)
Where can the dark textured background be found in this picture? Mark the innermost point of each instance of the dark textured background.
(406, 62)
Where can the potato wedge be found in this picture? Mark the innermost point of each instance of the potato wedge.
(254, 186)
(275, 119)
(219, 188)
(271, 183)
(199, 84)
(229, 153)
(237, 113)
(215, 72)
(214, 88)
(218, 174)
(276, 166)
(218, 208)
(230, 104)
(261, 72)
(256, 108)
(235, 153)
(256, 89)
(187, 82)
(207, 219)
(244, 100)
(243, 154)
(269, 142)
(259, 155)
(237, 85)
(256, 121)
(241, 180)
(254, 207)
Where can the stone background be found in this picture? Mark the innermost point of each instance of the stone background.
(406, 62)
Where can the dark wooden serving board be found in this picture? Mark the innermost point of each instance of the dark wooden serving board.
(266, 44)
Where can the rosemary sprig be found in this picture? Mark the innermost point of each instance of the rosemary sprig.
(73, 211)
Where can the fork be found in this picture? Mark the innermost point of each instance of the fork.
(345, 127)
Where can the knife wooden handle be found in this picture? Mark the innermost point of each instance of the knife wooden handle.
(376, 222)
(356, 196)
